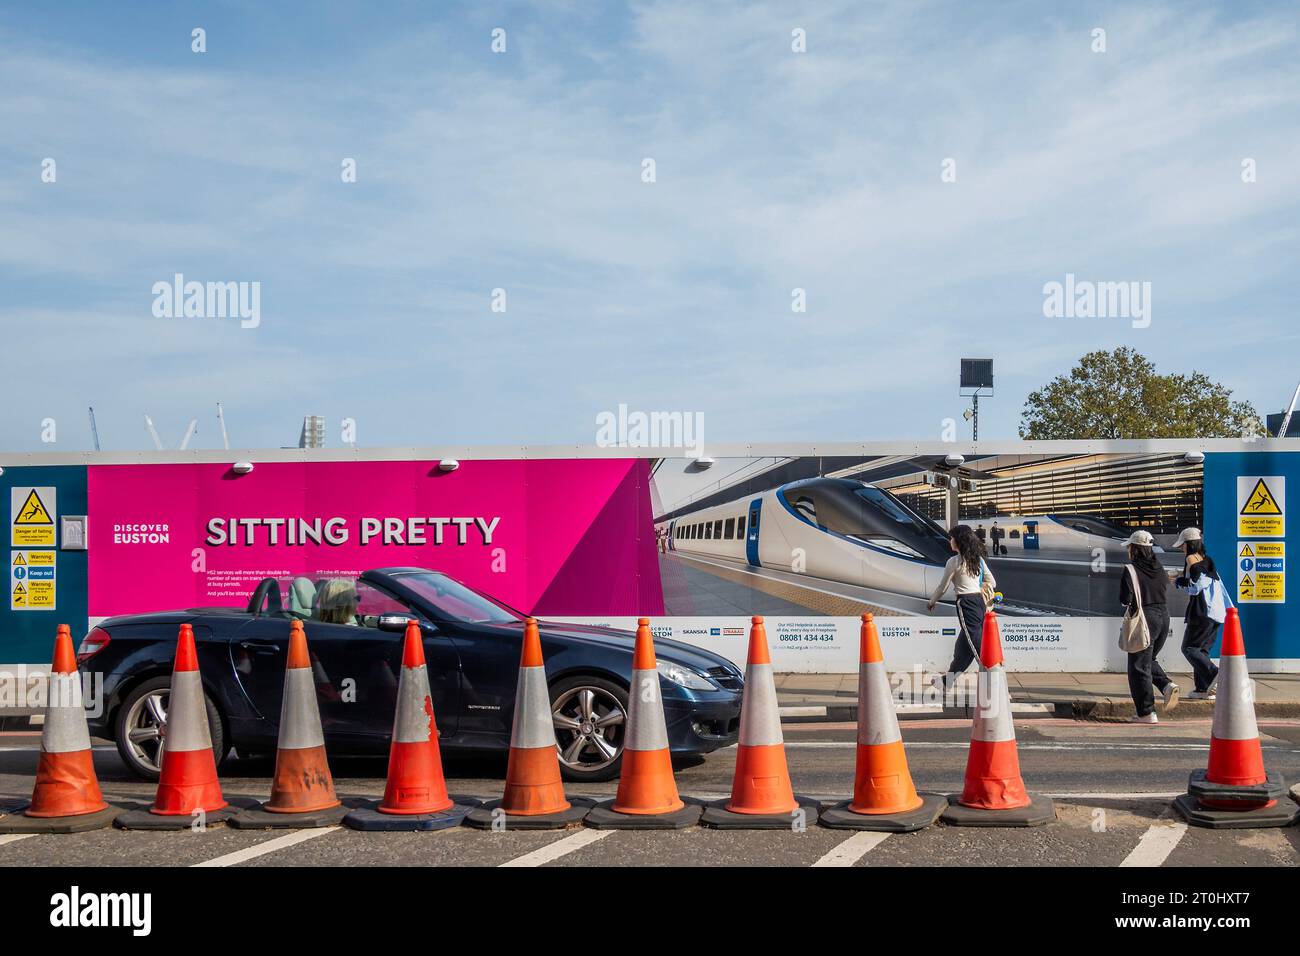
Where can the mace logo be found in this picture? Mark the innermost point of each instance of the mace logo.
(76, 909)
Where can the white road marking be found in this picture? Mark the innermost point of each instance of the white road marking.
(849, 851)
(270, 846)
(1156, 844)
(553, 851)
(15, 837)
(963, 745)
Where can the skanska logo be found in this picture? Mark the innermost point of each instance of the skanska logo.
(77, 909)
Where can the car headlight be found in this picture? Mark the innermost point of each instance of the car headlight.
(684, 676)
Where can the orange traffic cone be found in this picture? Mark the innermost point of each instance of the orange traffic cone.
(1235, 790)
(761, 794)
(1236, 756)
(188, 781)
(302, 782)
(884, 797)
(415, 793)
(534, 795)
(647, 792)
(995, 794)
(415, 783)
(66, 797)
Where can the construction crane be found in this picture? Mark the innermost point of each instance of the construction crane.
(185, 442)
(94, 431)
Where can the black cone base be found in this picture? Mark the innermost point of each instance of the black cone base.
(1281, 814)
(604, 817)
(490, 817)
(1039, 812)
(80, 823)
(717, 816)
(840, 817)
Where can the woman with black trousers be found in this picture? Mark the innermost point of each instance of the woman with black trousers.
(1144, 669)
(1205, 611)
(967, 573)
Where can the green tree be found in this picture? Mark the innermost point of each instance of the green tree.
(1119, 394)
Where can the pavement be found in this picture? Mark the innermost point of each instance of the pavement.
(1096, 696)
(1112, 784)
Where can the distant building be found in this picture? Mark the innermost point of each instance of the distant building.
(313, 432)
(1274, 424)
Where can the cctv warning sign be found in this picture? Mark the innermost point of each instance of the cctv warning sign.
(1261, 572)
(1261, 506)
(32, 580)
(31, 517)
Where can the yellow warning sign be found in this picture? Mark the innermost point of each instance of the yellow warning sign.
(33, 511)
(31, 517)
(1261, 506)
(1261, 571)
(33, 580)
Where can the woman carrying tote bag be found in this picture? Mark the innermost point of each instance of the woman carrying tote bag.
(1142, 591)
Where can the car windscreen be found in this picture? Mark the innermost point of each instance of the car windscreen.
(456, 601)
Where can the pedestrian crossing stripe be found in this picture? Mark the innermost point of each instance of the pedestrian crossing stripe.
(1260, 501)
(19, 560)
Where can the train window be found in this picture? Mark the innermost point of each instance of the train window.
(740, 527)
(695, 531)
(805, 506)
(717, 529)
(729, 529)
(708, 531)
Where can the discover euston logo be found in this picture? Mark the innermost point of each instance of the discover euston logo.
(75, 909)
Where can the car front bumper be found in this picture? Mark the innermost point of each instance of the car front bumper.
(704, 724)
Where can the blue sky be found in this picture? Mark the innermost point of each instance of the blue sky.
(522, 171)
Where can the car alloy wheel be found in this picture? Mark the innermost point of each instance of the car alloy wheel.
(589, 725)
(144, 729)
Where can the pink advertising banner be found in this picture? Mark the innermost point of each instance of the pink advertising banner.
(548, 537)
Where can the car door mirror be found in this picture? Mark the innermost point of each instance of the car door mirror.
(394, 623)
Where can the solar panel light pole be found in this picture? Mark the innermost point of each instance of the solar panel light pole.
(976, 377)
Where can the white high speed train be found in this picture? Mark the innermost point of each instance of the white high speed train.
(834, 528)
(1026, 534)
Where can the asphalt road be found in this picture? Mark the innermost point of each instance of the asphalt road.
(1112, 784)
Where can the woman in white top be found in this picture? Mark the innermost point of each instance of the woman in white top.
(967, 572)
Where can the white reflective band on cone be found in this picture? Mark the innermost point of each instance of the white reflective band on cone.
(65, 720)
(1235, 722)
(877, 722)
(993, 708)
(646, 729)
(411, 724)
(533, 724)
(299, 715)
(760, 723)
(187, 717)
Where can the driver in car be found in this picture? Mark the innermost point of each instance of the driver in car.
(337, 602)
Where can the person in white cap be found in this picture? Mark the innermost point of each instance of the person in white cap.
(1205, 611)
(1144, 670)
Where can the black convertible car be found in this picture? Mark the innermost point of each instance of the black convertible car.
(354, 630)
